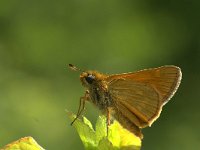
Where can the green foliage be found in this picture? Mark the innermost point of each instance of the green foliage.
(26, 143)
(118, 138)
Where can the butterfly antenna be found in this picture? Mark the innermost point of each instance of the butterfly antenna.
(72, 67)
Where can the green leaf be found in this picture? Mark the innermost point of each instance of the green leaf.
(105, 144)
(26, 143)
(101, 129)
(118, 138)
(85, 131)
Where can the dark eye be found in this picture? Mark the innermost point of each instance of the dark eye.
(90, 78)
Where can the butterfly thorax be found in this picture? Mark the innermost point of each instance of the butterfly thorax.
(97, 87)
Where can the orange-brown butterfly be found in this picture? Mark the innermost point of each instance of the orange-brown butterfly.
(134, 99)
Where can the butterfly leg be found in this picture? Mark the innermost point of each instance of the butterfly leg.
(81, 105)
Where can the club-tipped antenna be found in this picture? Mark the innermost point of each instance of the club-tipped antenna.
(72, 67)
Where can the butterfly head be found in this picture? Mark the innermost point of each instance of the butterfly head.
(88, 78)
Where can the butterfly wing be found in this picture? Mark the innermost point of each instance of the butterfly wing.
(139, 96)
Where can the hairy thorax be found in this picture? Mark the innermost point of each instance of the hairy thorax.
(100, 97)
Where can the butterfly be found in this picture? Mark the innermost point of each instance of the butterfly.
(134, 99)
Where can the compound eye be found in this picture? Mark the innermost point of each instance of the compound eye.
(90, 78)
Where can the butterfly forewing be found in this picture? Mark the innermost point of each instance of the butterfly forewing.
(140, 96)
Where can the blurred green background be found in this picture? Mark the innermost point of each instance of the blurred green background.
(38, 39)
